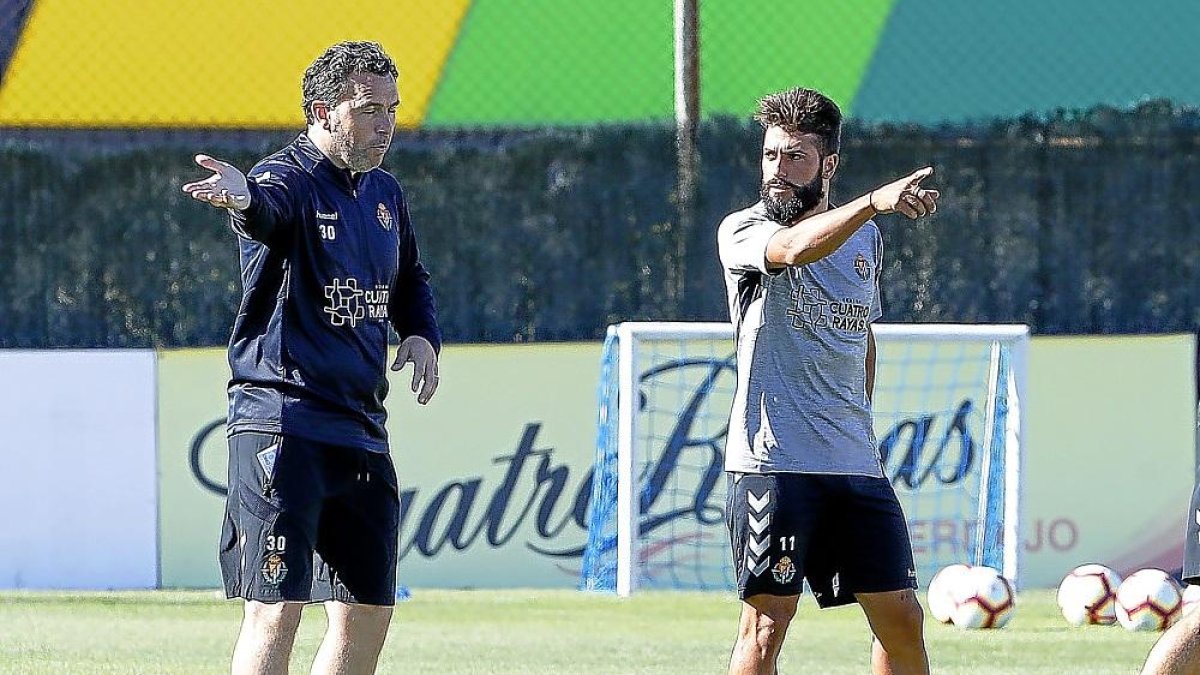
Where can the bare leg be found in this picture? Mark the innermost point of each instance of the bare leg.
(353, 640)
(763, 626)
(264, 644)
(1177, 652)
(896, 620)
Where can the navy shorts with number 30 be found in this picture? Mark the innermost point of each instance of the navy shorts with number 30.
(309, 522)
(845, 534)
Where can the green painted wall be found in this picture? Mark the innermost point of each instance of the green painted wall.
(753, 47)
(959, 60)
(928, 61)
(541, 62)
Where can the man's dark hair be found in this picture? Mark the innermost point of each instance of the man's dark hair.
(325, 80)
(803, 111)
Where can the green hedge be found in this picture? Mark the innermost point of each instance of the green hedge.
(1079, 224)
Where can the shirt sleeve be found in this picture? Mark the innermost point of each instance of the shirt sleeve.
(876, 305)
(742, 242)
(272, 211)
(411, 305)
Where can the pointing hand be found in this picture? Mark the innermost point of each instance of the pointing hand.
(906, 196)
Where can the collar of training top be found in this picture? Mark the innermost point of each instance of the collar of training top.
(312, 160)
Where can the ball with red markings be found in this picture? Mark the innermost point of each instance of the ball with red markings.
(983, 599)
(1148, 599)
(1088, 596)
(940, 594)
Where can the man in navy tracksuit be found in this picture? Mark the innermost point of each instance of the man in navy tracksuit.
(329, 259)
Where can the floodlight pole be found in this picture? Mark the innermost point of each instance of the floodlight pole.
(687, 118)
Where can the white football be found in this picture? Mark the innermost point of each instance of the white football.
(1088, 595)
(1148, 600)
(982, 599)
(939, 595)
(1191, 599)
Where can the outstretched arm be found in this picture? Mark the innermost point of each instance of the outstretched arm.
(817, 236)
(259, 207)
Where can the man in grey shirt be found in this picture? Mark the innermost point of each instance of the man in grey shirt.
(808, 497)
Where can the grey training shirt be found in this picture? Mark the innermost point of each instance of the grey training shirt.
(801, 402)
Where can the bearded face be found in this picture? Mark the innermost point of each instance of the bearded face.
(795, 173)
(361, 127)
(354, 154)
(786, 201)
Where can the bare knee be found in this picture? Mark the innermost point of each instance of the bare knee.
(359, 619)
(765, 620)
(896, 619)
(272, 616)
(766, 631)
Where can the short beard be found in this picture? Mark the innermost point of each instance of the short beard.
(342, 148)
(362, 164)
(803, 199)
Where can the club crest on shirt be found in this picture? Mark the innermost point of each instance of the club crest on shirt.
(784, 570)
(274, 570)
(385, 216)
(861, 266)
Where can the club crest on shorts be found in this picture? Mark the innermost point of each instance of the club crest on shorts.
(266, 460)
(861, 266)
(385, 216)
(784, 571)
(274, 570)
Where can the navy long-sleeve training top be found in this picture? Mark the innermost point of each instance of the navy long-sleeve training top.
(328, 259)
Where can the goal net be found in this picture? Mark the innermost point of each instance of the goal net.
(947, 421)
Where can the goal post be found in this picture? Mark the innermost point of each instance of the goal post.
(947, 418)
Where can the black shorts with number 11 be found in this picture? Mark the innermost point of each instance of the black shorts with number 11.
(845, 534)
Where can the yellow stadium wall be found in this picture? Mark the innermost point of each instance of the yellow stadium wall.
(220, 64)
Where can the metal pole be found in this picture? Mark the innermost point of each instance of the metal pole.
(687, 117)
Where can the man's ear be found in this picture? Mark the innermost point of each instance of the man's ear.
(829, 166)
(320, 113)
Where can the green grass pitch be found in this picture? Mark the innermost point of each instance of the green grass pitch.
(530, 632)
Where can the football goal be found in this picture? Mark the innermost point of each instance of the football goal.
(947, 422)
